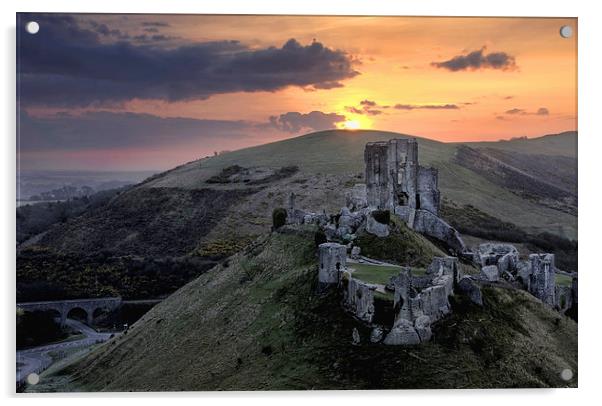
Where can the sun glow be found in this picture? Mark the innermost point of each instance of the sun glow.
(351, 125)
(355, 123)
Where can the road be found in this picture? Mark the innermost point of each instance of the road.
(37, 359)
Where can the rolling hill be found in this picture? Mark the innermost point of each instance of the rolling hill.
(340, 153)
(256, 323)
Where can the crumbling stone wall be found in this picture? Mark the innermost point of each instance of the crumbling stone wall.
(564, 298)
(429, 224)
(543, 278)
(359, 298)
(392, 176)
(333, 258)
(428, 190)
(415, 310)
(356, 197)
(378, 192)
(503, 255)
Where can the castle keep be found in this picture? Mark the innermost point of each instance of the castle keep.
(395, 180)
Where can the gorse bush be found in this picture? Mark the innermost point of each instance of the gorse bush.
(278, 218)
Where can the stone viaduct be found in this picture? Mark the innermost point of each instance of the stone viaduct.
(65, 307)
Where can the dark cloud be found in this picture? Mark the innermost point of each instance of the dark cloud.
(368, 107)
(294, 122)
(70, 65)
(152, 30)
(542, 111)
(372, 108)
(354, 110)
(104, 30)
(478, 60)
(426, 106)
(109, 130)
(368, 103)
(155, 24)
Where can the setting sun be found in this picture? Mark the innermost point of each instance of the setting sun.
(351, 125)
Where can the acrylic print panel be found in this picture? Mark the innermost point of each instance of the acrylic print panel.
(295, 202)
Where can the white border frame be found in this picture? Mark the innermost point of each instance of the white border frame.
(590, 69)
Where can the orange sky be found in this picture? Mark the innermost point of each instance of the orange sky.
(395, 55)
(395, 59)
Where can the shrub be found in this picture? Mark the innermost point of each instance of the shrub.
(320, 238)
(278, 218)
(382, 216)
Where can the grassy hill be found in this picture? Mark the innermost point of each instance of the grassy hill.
(339, 153)
(255, 323)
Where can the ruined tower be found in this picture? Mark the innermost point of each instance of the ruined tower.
(332, 260)
(394, 178)
(543, 278)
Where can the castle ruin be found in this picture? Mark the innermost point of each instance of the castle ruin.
(395, 180)
(397, 183)
(397, 186)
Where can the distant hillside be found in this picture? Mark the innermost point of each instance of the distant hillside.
(256, 323)
(562, 144)
(339, 153)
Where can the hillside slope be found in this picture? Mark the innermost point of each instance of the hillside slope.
(257, 324)
(339, 155)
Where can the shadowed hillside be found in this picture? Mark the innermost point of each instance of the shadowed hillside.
(256, 323)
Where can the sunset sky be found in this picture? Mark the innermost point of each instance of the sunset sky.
(134, 92)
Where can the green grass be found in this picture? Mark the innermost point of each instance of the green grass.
(563, 280)
(379, 274)
(402, 247)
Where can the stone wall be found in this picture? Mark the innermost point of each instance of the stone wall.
(543, 278)
(428, 189)
(429, 224)
(359, 298)
(356, 197)
(392, 174)
(415, 310)
(332, 261)
(378, 193)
